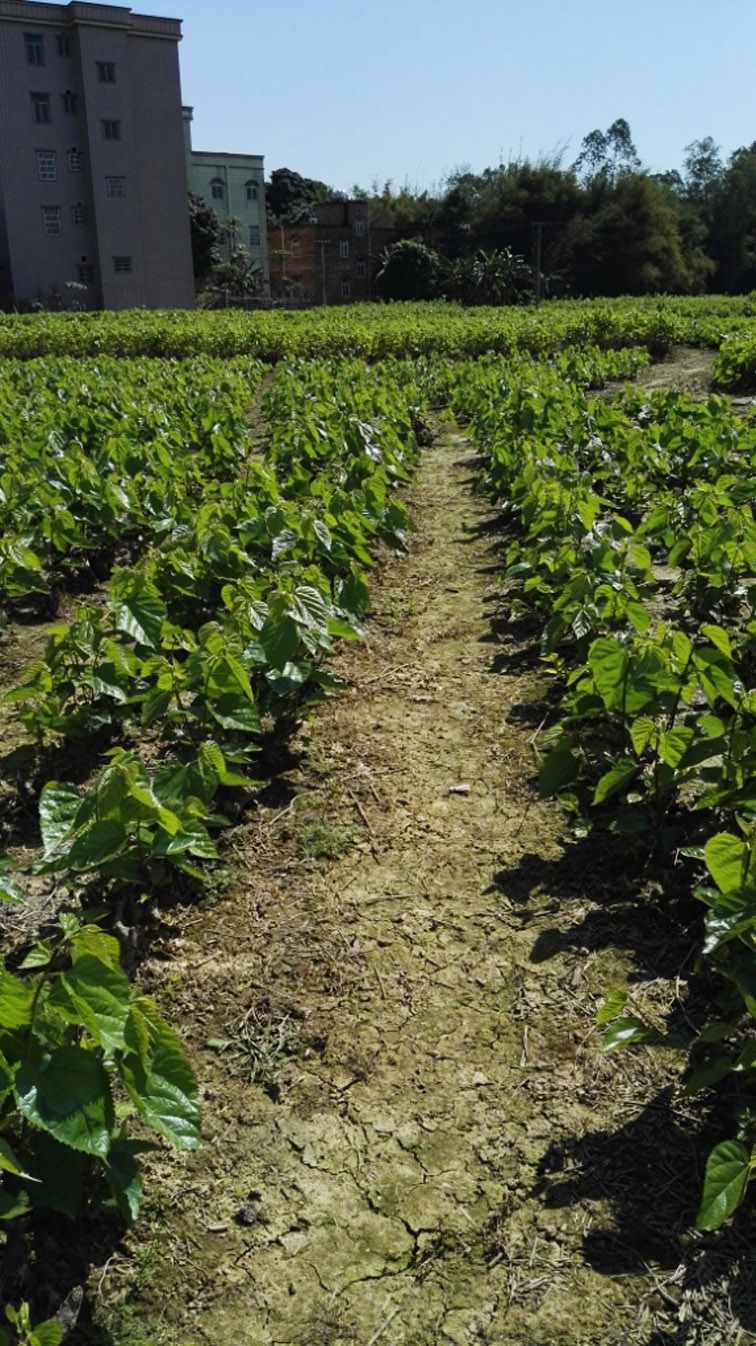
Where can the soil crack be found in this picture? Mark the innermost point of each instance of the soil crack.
(405, 1140)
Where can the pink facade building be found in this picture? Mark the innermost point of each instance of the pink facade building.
(93, 181)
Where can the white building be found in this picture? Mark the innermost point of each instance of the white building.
(233, 186)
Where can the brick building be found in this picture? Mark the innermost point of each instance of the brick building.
(333, 258)
(92, 168)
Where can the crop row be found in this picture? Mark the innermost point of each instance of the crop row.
(184, 660)
(374, 332)
(633, 549)
(98, 459)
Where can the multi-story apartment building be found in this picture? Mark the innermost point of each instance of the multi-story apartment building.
(332, 258)
(233, 186)
(93, 184)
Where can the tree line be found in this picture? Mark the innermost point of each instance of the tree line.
(604, 225)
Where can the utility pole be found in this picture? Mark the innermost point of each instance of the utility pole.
(323, 242)
(539, 235)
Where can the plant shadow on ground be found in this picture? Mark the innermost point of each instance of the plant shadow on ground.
(658, 923)
(648, 1173)
(47, 1264)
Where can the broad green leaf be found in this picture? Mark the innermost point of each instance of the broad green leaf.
(122, 1173)
(625, 1031)
(728, 1169)
(638, 556)
(159, 1079)
(719, 638)
(91, 940)
(587, 510)
(323, 534)
(638, 615)
(608, 663)
(48, 1333)
(9, 1162)
(559, 768)
(58, 806)
(9, 889)
(100, 994)
(16, 999)
(6, 1075)
(193, 838)
(96, 844)
(614, 780)
(279, 638)
(612, 1005)
(238, 673)
(352, 594)
(715, 680)
(723, 926)
(642, 732)
(682, 646)
(235, 712)
(67, 1094)
(674, 744)
(155, 706)
(726, 858)
(13, 1204)
(140, 613)
(40, 955)
(708, 1074)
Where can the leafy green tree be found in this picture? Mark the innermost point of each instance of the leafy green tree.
(608, 153)
(205, 233)
(732, 236)
(409, 270)
(234, 276)
(490, 278)
(289, 197)
(625, 240)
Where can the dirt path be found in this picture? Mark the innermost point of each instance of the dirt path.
(411, 1134)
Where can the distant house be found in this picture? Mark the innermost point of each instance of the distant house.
(233, 186)
(332, 258)
(92, 169)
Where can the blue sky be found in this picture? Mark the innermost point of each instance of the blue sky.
(352, 90)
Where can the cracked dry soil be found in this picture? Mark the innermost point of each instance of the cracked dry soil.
(401, 1078)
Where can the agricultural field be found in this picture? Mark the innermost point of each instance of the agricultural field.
(379, 826)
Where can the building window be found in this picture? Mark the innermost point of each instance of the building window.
(51, 220)
(63, 43)
(73, 158)
(295, 247)
(46, 165)
(121, 265)
(346, 289)
(251, 191)
(111, 130)
(343, 248)
(35, 48)
(254, 235)
(359, 228)
(361, 272)
(85, 273)
(115, 186)
(79, 213)
(69, 102)
(106, 72)
(40, 108)
(216, 189)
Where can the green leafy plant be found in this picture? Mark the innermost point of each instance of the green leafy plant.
(81, 1052)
